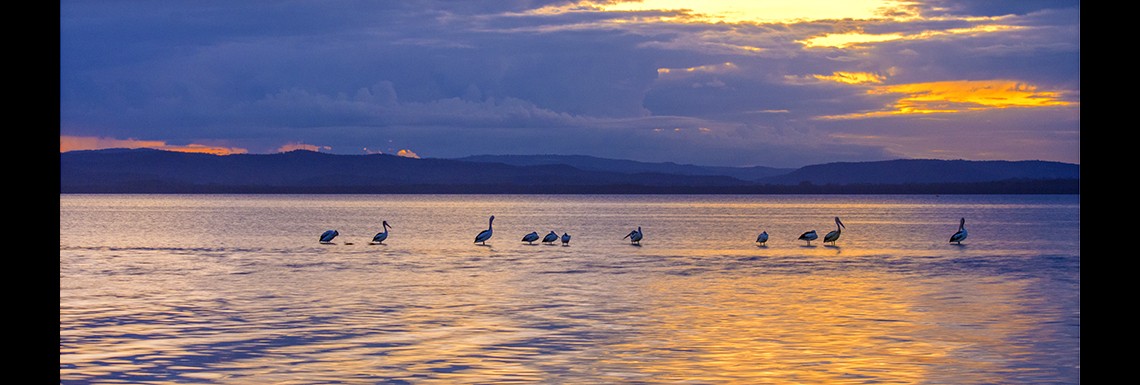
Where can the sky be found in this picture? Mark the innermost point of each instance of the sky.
(726, 83)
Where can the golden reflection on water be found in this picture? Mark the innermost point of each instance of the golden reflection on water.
(813, 329)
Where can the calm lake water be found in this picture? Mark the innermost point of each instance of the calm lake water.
(236, 289)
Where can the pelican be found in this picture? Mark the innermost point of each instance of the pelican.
(381, 236)
(485, 234)
(834, 235)
(550, 238)
(634, 236)
(530, 238)
(565, 239)
(809, 236)
(763, 238)
(961, 234)
(328, 236)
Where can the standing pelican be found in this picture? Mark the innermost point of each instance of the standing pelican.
(550, 238)
(530, 238)
(381, 236)
(565, 239)
(763, 238)
(634, 236)
(328, 236)
(809, 236)
(961, 234)
(485, 234)
(834, 235)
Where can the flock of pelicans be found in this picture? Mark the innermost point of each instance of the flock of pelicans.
(635, 235)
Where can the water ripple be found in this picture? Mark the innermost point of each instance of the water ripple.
(268, 306)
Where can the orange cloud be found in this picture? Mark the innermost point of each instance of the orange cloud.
(959, 96)
(74, 143)
(407, 154)
(302, 146)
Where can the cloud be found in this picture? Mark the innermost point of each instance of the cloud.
(665, 73)
(407, 154)
(859, 39)
(74, 143)
(992, 8)
(585, 77)
(852, 77)
(758, 10)
(302, 146)
(844, 40)
(1011, 134)
(959, 96)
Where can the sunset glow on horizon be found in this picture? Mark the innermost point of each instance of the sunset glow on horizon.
(76, 143)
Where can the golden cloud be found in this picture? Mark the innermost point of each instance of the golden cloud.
(959, 96)
(74, 143)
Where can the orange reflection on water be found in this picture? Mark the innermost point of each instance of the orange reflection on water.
(824, 329)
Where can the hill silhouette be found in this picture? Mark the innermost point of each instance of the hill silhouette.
(157, 171)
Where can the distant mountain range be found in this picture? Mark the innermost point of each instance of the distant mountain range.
(156, 171)
(909, 171)
(590, 163)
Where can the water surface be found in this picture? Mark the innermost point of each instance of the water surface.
(235, 289)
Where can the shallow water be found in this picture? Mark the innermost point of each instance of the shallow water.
(235, 289)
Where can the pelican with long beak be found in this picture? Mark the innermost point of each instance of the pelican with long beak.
(834, 235)
(485, 234)
(381, 236)
(960, 236)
